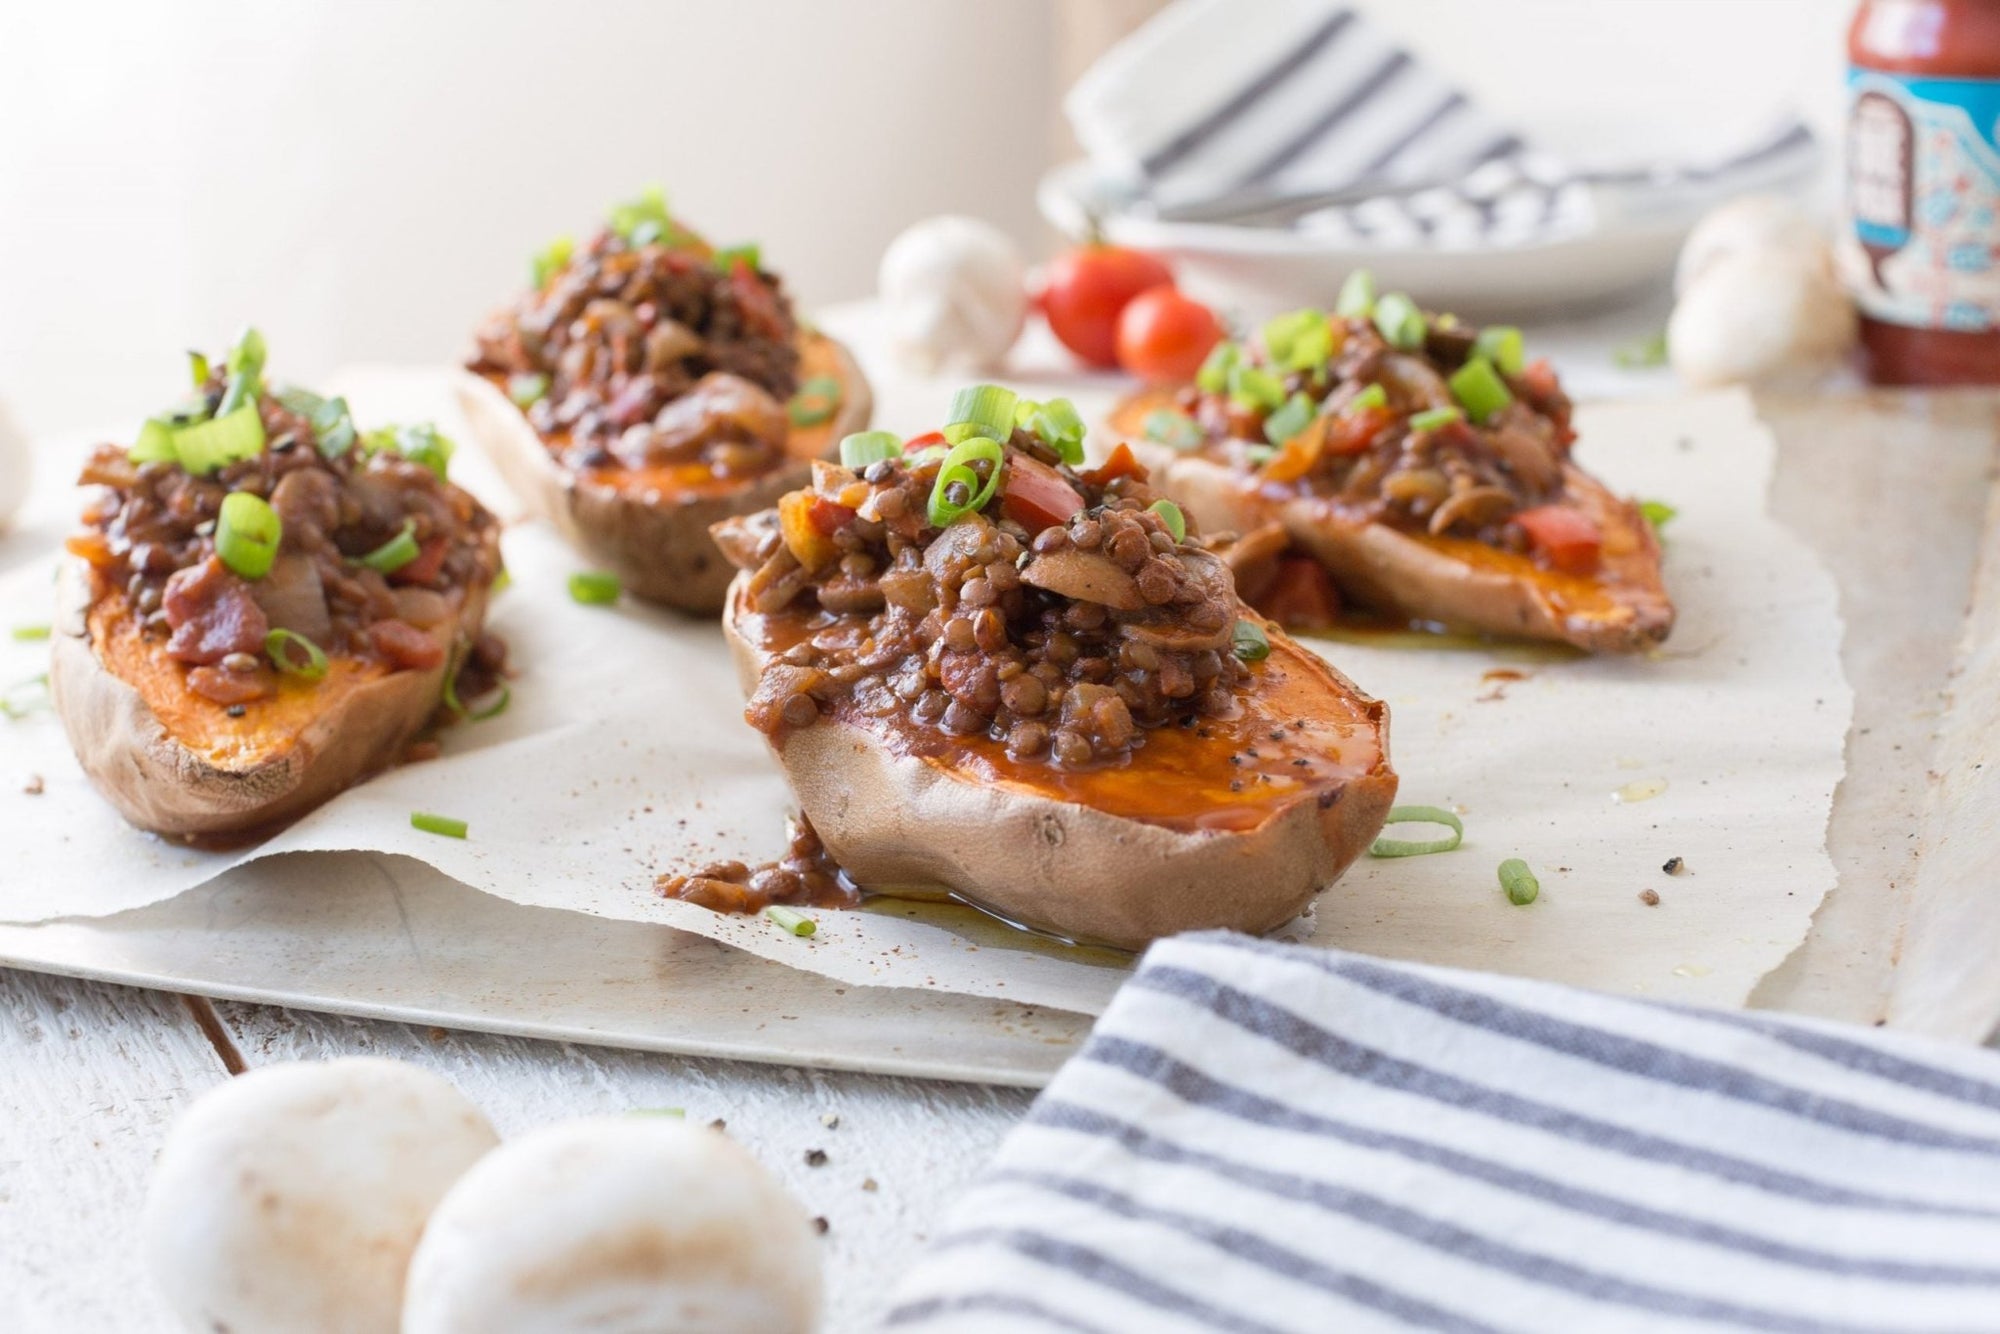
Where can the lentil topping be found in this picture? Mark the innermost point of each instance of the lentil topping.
(647, 349)
(358, 546)
(1062, 614)
(1417, 421)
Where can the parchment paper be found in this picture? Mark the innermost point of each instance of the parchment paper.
(624, 756)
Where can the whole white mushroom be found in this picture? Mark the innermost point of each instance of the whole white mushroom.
(290, 1198)
(1754, 223)
(616, 1225)
(1756, 315)
(16, 470)
(954, 293)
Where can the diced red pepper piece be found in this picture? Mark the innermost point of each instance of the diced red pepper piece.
(424, 570)
(1035, 495)
(917, 444)
(1122, 463)
(1301, 596)
(1352, 432)
(1565, 538)
(829, 516)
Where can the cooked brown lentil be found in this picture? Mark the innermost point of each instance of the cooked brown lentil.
(1064, 637)
(654, 355)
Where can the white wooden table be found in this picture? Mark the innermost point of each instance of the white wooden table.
(93, 1075)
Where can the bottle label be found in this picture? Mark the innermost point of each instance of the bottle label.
(1923, 193)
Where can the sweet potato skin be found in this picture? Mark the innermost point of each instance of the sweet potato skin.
(1459, 582)
(657, 543)
(894, 819)
(160, 783)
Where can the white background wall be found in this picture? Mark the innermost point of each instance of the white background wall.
(364, 178)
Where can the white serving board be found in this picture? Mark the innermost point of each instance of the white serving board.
(1891, 491)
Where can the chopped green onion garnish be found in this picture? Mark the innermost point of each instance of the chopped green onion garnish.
(27, 634)
(1250, 641)
(247, 533)
(198, 368)
(438, 824)
(1479, 389)
(332, 423)
(1297, 414)
(1434, 418)
(1255, 390)
(1657, 513)
(527, 388)
(1173, 428)
(246, 373)
(957, 470)
(750, 254)
(1357, 296)
(17, 701)
(1057, 422)
(1170, 514)
(282, 647)
(397, 552)
(421, 442)
(815, 402)
(866, 447)
(458, 709)
(1400, 322)
(550, 260)
(230, 438)
(1501, 344)
(1300, 340)
(593, 588)
(644, 220)
(1519, 882)
(1374, 396)
(1213, 377)
(155, 443)
(1641, 353)
(795, 922)
(1259, 455)
(1396, 847)
(981, 409)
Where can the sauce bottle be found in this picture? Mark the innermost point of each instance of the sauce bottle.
(1923, 188)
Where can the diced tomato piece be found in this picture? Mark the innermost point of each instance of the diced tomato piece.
(917, 444)
(1566, 539)
(1540, 379)
(1301, 596)
(760, 308)
(424, 570)
(402, 645)
(1035, 495)
(1352, 432)
(1122, 463)
(829, 516)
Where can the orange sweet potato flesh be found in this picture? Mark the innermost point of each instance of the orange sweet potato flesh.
(1621, 608)
(649, 526)
(1234, 823)
(178, 764)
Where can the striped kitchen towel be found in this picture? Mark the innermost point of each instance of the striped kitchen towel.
(1263, 1138)
(1311, 117)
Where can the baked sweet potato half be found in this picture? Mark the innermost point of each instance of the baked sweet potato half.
(1423, 464)
(986, 671)
(263, 606)
(649, 386)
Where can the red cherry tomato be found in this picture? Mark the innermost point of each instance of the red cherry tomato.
(1163, 337)
(1567, 539)
(1085, 290)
